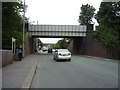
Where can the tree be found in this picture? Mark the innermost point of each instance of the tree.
(62, 44)
(38, 42)
(107, 36)
(86, 14)
(12, 23)
(55, 46)
(108, 31)
(109, 15)
(109, 12)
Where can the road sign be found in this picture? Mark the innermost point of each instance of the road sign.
(13, 39)
(13, 45)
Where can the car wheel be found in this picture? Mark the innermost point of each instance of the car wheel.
(54, 58)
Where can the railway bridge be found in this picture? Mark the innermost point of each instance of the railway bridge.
(77, 32)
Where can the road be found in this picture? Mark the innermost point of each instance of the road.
(81, 72)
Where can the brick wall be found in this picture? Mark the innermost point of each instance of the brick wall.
(27, 45)
(70, 47)
(6, 57)
(94, 48)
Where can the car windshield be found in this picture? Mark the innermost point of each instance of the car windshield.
(63, 50)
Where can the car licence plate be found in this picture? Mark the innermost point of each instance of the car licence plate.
(64, 55)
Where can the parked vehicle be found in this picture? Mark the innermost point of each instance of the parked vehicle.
(49, 50)
(44, 48)
(53, 50)
(62, 54)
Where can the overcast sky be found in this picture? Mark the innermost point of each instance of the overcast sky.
(57, 12)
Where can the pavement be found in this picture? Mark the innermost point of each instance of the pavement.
(20, 73)
(100, 58)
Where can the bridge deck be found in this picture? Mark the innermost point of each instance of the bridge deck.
(57, 30)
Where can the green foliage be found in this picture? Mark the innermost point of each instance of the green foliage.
(107, 36)
(109, 15)
(12, 23)
(38, 42)
(86, 15)
(62, 44)
(12, 19)
(7, 38)
(55, 46)
(108, 31)
(108, 18)
(14, 57)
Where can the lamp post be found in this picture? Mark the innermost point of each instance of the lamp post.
(24, 30)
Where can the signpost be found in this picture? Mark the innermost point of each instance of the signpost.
(13, 45)
(24, 30)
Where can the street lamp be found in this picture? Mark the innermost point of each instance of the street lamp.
(24, 30)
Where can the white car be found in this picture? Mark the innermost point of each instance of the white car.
(44, 48)
(62, 54)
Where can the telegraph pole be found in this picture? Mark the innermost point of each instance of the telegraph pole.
(24, 30)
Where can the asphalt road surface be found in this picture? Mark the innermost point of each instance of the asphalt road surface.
(81, 72)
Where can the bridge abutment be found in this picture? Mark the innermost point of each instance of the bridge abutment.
(29, 46)
(77, 46)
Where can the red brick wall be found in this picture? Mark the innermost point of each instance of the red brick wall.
(94, 48)
(70, 47)
(27, 45)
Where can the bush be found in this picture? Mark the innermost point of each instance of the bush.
(14, 57)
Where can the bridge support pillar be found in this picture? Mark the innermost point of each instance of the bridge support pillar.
(29, 47)
(78, 45)
(32, 49)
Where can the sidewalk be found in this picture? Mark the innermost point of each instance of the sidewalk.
(100, 58)
(20, 73)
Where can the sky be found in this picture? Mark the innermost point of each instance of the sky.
(57, 12)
